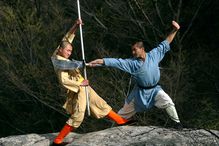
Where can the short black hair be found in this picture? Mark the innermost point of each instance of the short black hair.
(144, 42)
(139, 44)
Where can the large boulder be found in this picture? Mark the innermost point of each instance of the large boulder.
(123, 136)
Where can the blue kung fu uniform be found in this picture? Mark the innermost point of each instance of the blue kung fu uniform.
(146, 74)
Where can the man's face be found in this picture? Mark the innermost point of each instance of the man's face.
(66, 52)
(137, 51)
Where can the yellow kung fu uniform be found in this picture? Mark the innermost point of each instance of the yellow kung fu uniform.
(76, 97)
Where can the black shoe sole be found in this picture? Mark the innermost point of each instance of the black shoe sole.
(61, 144)
(130, 122)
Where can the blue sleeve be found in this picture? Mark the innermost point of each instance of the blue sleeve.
(127, 65)
(66, 65)
(158, 53)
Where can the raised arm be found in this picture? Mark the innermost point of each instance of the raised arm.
(69, 36)
(171, 36)
(71, 33)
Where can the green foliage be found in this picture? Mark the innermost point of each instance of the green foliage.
(30, 99)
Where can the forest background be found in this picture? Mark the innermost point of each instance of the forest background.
(31, 98)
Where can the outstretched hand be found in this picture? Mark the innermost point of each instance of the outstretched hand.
(175, 25)
(96, 62)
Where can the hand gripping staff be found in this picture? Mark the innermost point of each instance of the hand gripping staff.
(83, 58)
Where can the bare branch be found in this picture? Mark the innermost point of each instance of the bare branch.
(158, 12)
(191, 22)
(171, 7)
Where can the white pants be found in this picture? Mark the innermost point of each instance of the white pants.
(162, 101)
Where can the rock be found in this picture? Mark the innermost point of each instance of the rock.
(123, 136)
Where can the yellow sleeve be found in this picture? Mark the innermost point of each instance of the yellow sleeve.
(69, 37)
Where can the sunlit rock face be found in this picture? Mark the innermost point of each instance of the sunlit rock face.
(122, 136)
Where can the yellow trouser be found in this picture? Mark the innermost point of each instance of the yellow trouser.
(76, 106)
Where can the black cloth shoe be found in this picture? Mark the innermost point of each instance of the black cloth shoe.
(178, 126)
(130, 122)
(61, 144)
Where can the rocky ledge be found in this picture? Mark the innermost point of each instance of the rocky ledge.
(123, 136)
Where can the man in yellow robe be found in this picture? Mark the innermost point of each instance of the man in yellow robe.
(69, 76)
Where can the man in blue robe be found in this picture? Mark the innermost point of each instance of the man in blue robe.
(145, 70)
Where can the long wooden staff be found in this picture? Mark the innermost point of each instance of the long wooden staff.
(83, 57)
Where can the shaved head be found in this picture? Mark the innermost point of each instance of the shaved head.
(64, 44)
(65, 49)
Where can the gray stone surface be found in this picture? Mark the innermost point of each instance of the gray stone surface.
(123, 136)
